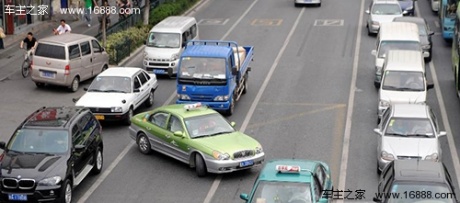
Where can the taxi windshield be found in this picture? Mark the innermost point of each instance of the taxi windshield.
(274, 192)
(207, 125)
(403, 81)
(39, 141)
(111, 84)
(439, 192)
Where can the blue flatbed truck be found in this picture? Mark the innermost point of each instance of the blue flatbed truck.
(213, 73)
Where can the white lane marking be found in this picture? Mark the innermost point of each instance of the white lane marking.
(216, 182)
(351, 100)
(444, 117)
(117, 160)
(109, 169)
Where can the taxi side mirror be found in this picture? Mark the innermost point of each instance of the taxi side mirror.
(429, 86)
(233, 123)
(376, 130)
(244, 196)
(179, 134)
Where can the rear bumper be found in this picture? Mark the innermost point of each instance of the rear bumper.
(218, 106)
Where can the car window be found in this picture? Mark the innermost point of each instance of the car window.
(137, 84)
(321, 175)
(175, 124)
(85, 48)
(385, 116)
(388, 183)
(76, 135)
(147, 76)
(74, 51)
(317, 190)
(435, 120)
(142, 78)
(50, 51)
(96, 46)
(159, 119)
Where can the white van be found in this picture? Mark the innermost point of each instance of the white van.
(403, 79)
(395, 36)
(165, 43)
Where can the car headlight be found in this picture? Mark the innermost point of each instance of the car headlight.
(219, 156)
(384, 104)
(221, 98)
(183, 97)
(375, 23)
(426, 46)
(387, 156)
(117, 109)
(174, 57)
(259, 150)
(50, 181)
(433, 157)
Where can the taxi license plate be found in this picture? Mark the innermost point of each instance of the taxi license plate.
(99, 117)
(246, 163)
(17, 197)
(158, 71)
(47, 74)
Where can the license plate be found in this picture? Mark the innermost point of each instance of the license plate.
(99, 117)
(158, 71)
(17, 197)
(47, 74)
(246, 163)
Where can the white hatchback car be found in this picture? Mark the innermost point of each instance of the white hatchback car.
(382, 11)
(117, 92)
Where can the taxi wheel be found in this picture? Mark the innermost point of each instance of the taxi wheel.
(143, 144)
(200, 166)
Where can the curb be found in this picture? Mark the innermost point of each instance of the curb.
(191, 10)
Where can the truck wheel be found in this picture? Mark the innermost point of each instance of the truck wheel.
(231, 107)
(245, 90)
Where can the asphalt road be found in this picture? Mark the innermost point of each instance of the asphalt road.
(296, 106)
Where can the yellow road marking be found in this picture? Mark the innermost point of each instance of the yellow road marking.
(337, 141)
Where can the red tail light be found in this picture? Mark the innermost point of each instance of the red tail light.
(67, 70)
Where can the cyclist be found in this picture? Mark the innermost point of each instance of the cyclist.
(31, 43)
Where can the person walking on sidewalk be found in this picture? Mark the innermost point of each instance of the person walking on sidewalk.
(2, 36)
(63, 28)
(89, 5)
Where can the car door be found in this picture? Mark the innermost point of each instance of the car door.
(86, 61)
(156, 130)
(77, 155)
(178, 145)
(99, 58)
(382, 126)
(145, 86)
(137, 91)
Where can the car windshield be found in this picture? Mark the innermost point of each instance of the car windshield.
(410, 127)
(386, 9)
(163, 40)
(202, 68)
(39, 141)
(207, 125)
(273, 192)
(414, 190)
(385, 46)
(403, 81)
(111, 84)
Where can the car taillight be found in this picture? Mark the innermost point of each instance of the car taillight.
(67, 70)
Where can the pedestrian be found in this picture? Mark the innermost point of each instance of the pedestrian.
(63, 28)
(2, 36)
(88, 8)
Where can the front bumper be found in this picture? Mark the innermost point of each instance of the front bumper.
(161, 68)
(228, 166)
(216, 105)
(40, 194)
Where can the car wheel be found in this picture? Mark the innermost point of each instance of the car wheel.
(369, 33)
(200, 166)
(378, 170)
(149, 101)
(128, 116)
(66, 192)
(428, 59)
(39, 84)
(98, 161)
(231, 108)
(143, 144)
(319, 5)
(245, 90)
(104, 68)
(75, 84)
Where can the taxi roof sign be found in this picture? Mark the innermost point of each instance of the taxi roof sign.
(192, 106)
(288, 169)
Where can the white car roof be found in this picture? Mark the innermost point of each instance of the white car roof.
(121, 71)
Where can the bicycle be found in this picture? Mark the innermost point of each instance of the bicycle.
(26, 65)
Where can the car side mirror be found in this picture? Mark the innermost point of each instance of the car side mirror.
(376, 130)
(102, 49)
(405, 12)
(136, 90)
(244, 196)
(74, 100)
(2, 145)
(374, 52)
(367, 11)
(442, 134)
(233, 123)
(426, 54)
(184, 44)
(179, 134)
(234, 70)
(375, 199)
(79, 147)
(429, 86)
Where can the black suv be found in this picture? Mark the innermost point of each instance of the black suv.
(415, 180)
(51, 152)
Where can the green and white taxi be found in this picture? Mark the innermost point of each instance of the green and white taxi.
(196, 135)
(292, 181)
